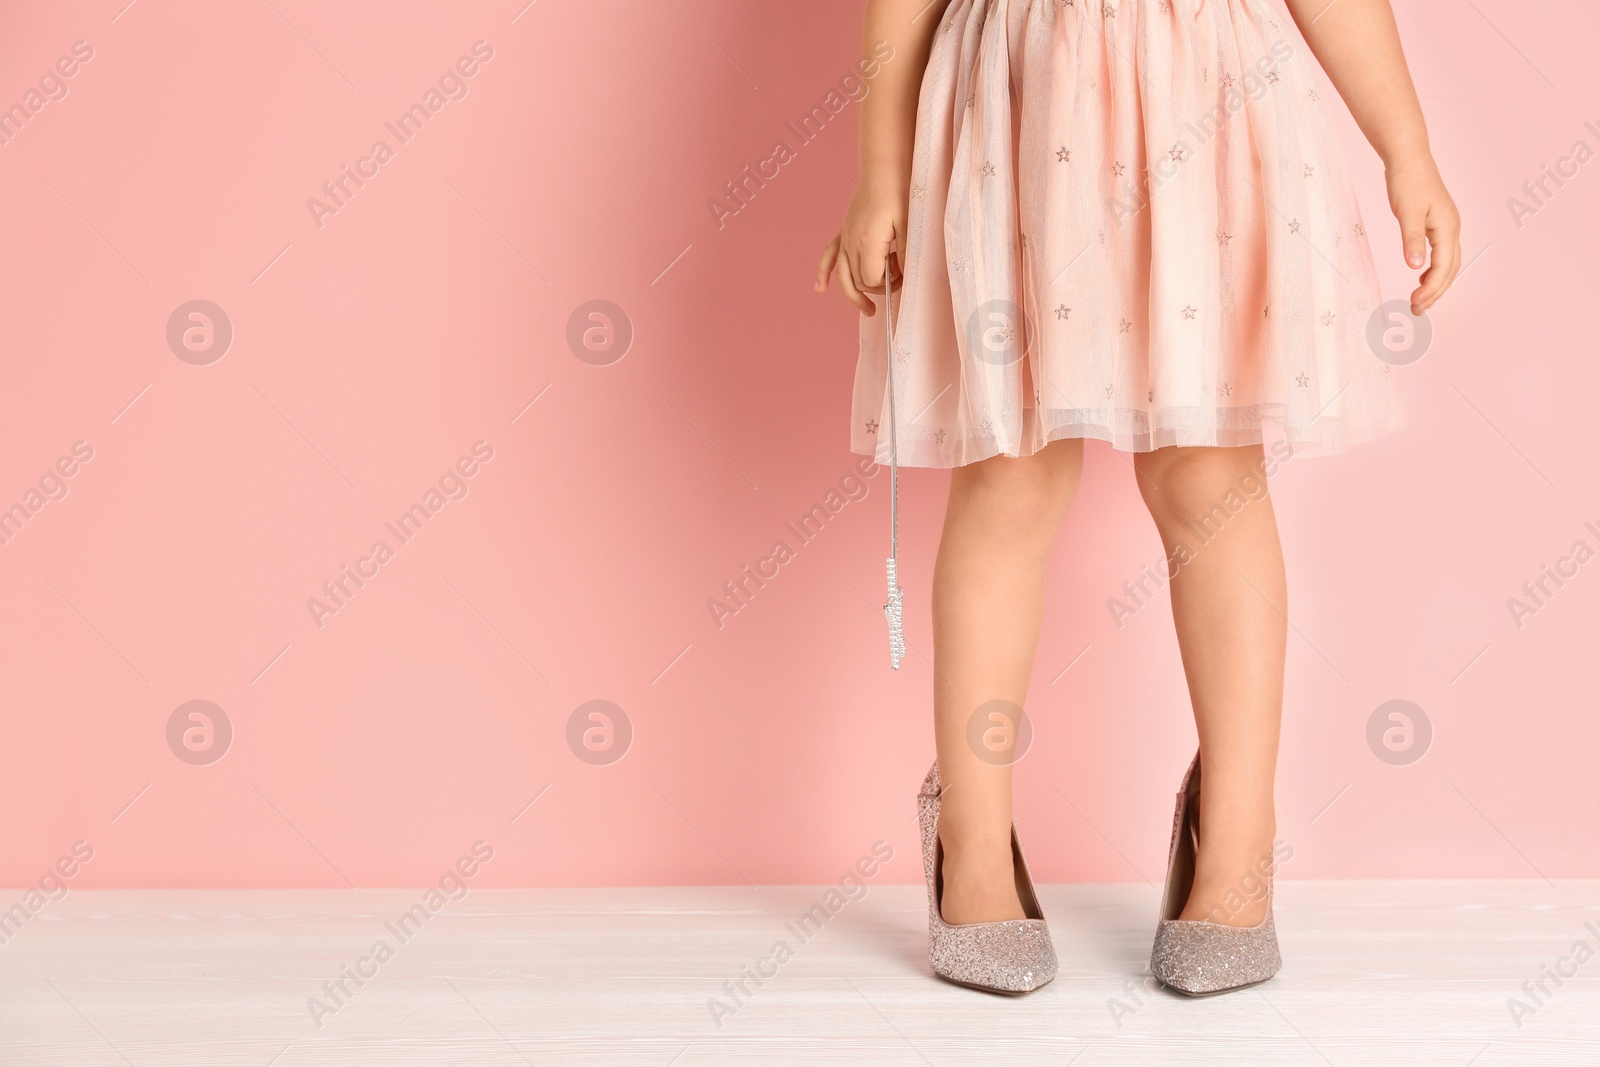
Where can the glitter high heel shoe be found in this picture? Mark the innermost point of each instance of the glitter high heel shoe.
(1011, 956)
(1199, 957)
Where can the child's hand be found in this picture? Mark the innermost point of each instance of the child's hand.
(1428, 217)
(861, 250)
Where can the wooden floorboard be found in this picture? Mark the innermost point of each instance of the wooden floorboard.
(1375, 973)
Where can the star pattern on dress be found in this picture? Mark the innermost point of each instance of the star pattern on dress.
(1161, 6)
(1110, 12)
(1150, 395)
(1179, 152)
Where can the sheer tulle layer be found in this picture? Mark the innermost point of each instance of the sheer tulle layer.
(1129, 221)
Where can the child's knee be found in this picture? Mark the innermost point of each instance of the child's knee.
(1020, 494)
(1185, 485)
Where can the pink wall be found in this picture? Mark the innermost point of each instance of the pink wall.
(371, 352)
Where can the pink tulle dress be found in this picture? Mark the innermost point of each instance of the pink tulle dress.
(1130, 221)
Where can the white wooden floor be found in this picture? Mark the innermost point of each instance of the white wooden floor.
(1375, 973)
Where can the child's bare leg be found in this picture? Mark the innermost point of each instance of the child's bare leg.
(1229, 603)
(988, 597)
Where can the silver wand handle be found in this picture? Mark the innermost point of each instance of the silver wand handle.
(893, 610)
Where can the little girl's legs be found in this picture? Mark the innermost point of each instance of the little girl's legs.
(1229, 602)
(988, 598)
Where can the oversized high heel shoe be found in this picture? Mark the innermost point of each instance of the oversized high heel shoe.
(1011, 956)
(1200, 957)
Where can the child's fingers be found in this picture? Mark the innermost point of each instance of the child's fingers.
(870, 270)
(895, 271)
(830, 256)
(1435, 281)
(1444, 265)
(847, 286)
(867, 268)
(853, 257)
(1414, 235)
